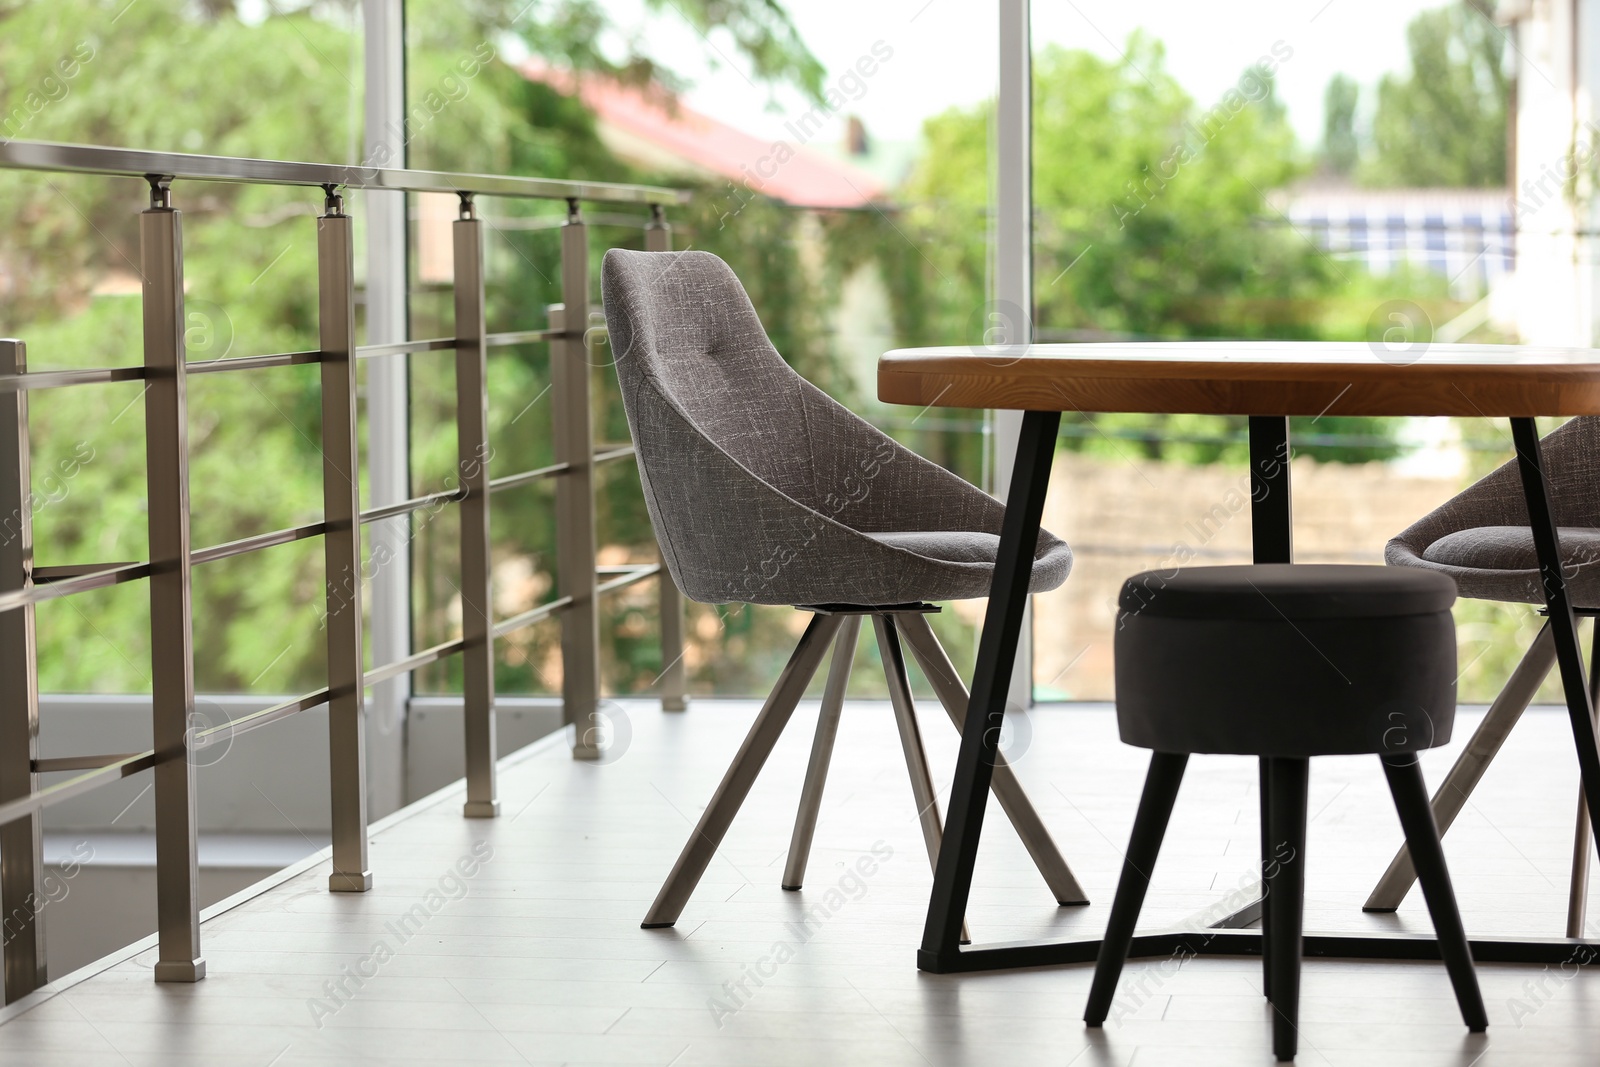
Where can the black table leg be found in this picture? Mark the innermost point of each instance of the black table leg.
(991, 679)
(1271, 509)
(1563, 624)
(1271, 541)
(941, 950)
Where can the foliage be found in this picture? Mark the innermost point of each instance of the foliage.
(1341, 148)
(576, 33)
(1129, 241)
(174, 76)
(1444, 123)
(1149, 215)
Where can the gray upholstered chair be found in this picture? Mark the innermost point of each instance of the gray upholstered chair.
(763, 490)
(1481, 538)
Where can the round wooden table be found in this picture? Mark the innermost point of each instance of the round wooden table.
(1268, 381)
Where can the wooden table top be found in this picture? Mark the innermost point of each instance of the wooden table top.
(1249, 378)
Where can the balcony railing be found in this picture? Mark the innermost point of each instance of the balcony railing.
(579, 581)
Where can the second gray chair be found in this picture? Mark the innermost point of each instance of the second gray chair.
(764, 490)
(1481, 539)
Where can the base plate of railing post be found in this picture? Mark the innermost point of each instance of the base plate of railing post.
(481, 809)
(342, 882)
(181, 970)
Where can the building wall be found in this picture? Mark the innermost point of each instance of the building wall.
(1556, 139)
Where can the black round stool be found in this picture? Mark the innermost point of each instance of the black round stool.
(1286, 662)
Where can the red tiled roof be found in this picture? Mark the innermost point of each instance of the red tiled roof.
(783, 170)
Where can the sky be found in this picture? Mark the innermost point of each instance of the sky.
(944, 52)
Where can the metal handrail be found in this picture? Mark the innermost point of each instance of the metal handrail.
(257, 542)
(169, 568)
(441, 344)
(97, 579)
(511, 481)
(81, 763)
(276, 359)
(627, 576)
(528, 618)
(406, 507)
(137, 163)
(257, 719)
(56, 379)
(37, 801)
(412, 662)
(401, 348)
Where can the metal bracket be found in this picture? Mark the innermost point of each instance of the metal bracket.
(160, 190)
(881, 609)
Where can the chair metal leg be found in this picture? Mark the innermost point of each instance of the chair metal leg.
(1264, 775)
(805, 822)
(1470, 765)
(905, 717)
(1149, 827)
(1285, 887)
(1410, 801)
(1578, 889)
(946, 683)
(741, 775)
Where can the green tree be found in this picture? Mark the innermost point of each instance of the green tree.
(1152, 219)
(1341, 149)
(1444, 122)
(168, 75)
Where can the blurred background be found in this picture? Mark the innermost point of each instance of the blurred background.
(1336, 170)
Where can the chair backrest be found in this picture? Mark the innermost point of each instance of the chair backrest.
(1571, 456)
(682, 326)
(761, 488)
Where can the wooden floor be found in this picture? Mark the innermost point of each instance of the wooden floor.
(516, 941)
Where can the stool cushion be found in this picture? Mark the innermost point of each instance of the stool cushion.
(1275, 591)
(1279, 660)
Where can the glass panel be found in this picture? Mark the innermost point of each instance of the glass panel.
(802, 146)
(256, 80)
(1247, 177)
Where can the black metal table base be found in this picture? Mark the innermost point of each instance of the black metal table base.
(1272, 535)
(1185, 943)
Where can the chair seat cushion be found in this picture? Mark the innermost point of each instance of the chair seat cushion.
(1286, 660)
(964, 561)
(1500, 563)
(1510, 548)
(957, 546)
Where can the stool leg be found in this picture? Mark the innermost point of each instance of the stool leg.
(1149, 827)
(1266, 856)
(1285, 873)
(1470, 766)
(1422, 838)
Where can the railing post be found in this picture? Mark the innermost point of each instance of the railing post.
(674, 684)
(574, 446)
(171, 621)
(341, 542)
(472, 450)
(21, 841)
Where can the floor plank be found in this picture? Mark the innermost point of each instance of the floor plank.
(517, 940)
